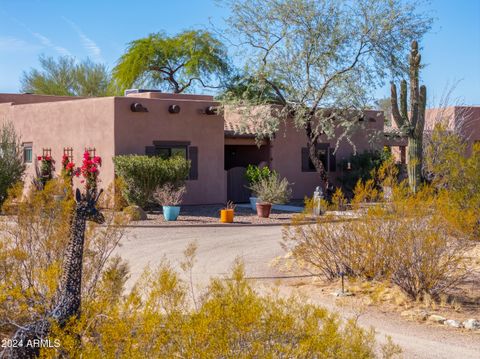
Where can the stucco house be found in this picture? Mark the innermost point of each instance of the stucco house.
(154, 123)
(463, 120)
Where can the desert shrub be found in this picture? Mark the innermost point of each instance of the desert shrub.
(442, 150)
(339, 202)
(231, 320)
(143, 174)
(32, 250)
(155, 319)
(311, 206)
(272, 189)
(11, 161)
(114, 197)
(365, 192)
(169, 194)
(410, 243)
(456, 176)
(361, 167)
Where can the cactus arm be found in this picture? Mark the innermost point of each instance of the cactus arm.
(414, 85)
(403, 101)
(399, 120)
(419, 126)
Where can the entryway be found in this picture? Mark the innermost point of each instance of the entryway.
(238, 155)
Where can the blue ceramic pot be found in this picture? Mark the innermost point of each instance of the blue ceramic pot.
(253, 203)
(170, 213)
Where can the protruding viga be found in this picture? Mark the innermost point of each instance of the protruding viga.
(411, 123)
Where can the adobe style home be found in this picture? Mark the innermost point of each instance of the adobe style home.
(155, 123)
(464, 120)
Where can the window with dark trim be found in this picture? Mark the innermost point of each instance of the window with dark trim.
(172, 151)
(323, 153)
(27, 153)
(168, 149)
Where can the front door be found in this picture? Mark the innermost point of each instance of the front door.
(237, 190)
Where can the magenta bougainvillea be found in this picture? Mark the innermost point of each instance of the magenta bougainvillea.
(68, 167)
(89, 171)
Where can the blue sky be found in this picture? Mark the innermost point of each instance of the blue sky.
(101, 29)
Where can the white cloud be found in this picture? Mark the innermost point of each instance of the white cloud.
(45, 41)
(92, 48)
(10, 43)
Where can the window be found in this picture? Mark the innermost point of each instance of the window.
(324, 153)
(167, 149)
(167, 152)
(27, 153)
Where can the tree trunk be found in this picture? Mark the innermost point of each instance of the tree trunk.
(414, 162)
(312, 151)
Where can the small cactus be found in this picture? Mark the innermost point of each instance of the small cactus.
(411, 123)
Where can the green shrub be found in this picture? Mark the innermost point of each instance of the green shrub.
(142, 174)
(11, 161)
(254, 173)
(362, 165)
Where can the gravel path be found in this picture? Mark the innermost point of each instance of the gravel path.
(210, 214)
(257, 246)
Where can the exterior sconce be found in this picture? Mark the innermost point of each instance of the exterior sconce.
(211, 110)
(174, 109)
(349, 166)
(138, 107)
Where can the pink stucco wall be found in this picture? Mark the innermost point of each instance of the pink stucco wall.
(135, 130)
(462, 119)
(76, 123)
(287, 145)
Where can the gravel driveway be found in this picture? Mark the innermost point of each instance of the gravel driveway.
(257, 246)
(218, 247)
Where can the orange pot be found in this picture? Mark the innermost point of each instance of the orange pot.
(226, 215)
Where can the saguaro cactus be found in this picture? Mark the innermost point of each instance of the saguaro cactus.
(411, 123)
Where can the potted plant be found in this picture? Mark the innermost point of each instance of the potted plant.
(253, 175)
(169, 196)
(227, 213)
(271, 190)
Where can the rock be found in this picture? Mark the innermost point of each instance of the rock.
(437, 319)
(453, 323)
(415, 314)
(472, 324)
(342, 294)
(135, 213)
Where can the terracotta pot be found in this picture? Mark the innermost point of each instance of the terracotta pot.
(263, 209)
(226, 215)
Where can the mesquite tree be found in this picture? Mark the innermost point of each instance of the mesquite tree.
(172, 63)
(411, 123)
(322, 59)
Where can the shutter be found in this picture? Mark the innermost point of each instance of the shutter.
(332, 160)
(150, 150)
(305, 160)
(193, 157)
